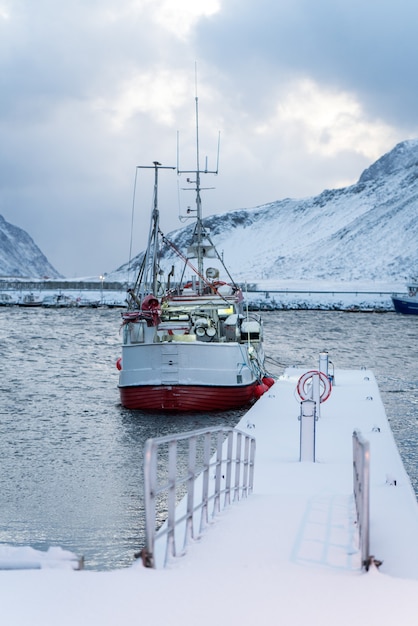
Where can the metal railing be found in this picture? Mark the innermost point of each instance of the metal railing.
(361, 487)
(189, 478)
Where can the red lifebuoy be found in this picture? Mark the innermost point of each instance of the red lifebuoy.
(323, 378)
(119, 363)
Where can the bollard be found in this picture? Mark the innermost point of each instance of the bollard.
(323, 362)
(307, 430)
(326, 366)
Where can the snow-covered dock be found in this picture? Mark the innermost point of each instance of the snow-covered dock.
(288, 554)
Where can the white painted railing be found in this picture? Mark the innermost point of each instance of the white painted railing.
(361, 487)
(187, 484)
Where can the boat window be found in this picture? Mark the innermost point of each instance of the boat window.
(225, 312)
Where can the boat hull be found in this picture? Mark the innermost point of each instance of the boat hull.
(188, 376)
(187, 397)
(406, 305)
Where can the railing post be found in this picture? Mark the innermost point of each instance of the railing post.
(171, 500)
(307, 430)
(191, 471)
(204, 519)
(150, 479)
(326, 366)
(361, 488)
(252, 463)
(229, 468)
(237, 465)
(218, 473)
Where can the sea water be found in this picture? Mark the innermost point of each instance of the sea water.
(71, 457)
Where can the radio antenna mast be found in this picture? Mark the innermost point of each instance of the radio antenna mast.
(201, 245)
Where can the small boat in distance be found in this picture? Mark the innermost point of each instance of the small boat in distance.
(29, 300)
(189, 345)
(6, 300)
(58, 301)
(407, 303)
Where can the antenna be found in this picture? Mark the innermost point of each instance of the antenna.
(198, 171)
(200, 244)
(197, 118)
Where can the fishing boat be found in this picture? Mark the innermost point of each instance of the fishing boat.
(29, 300)
(189, 345)
(58, 301)
(407, 303)
(6, 300)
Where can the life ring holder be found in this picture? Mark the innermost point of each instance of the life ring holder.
(323, 378)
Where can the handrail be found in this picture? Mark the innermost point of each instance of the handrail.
(361, 487)
(183, 478)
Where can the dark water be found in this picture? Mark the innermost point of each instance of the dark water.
(71, 456)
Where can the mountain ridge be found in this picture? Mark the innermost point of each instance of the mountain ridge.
(367, 230)
(20, 256)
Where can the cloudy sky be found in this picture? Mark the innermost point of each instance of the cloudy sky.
(304, 94)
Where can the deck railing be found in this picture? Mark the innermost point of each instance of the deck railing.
(189, 478)
(361, 487)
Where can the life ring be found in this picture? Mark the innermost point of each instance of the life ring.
(323, 378)
(119, 363)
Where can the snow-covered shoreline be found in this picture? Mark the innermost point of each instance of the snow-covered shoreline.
(262, 294)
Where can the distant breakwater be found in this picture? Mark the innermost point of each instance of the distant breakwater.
(330, 300)
(22, 284)
(258, 299)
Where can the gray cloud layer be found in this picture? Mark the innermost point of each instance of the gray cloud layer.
(90, 90)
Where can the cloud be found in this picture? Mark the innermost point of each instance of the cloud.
(305, 95)
(368, 49)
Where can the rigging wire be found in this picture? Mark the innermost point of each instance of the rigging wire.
(132, 225)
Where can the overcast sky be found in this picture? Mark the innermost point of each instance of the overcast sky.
(305, 95)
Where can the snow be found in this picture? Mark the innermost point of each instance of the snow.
(270, 293)
(364, 232)
(286, 554)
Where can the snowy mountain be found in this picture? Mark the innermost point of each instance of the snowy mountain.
(20, 256)
(365, 232)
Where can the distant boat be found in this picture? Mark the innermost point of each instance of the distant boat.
(6, 300)
(29, 300)
(58, 301)
(190, 346)
(84, 302)
(407, 303)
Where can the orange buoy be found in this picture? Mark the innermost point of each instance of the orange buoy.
(260, 389)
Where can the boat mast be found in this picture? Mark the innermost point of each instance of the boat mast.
(148, 279)
(199, 226)
(200, 238)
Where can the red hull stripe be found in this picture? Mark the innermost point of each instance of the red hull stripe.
(186, 398)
